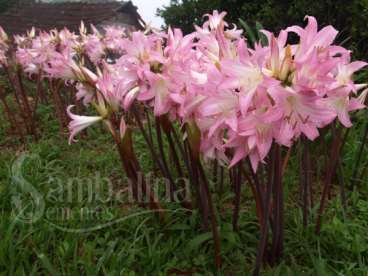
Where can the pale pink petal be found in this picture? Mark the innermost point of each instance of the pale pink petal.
(123, 127)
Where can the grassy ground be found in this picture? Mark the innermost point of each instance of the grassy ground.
(63, 240)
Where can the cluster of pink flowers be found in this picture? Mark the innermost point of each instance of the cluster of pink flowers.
(241, 99)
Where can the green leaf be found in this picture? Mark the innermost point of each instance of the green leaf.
(198, 241)
(261, 37)
(231, 237)
(250, 34)
(106, 256)
(47, 264)
(180, 227)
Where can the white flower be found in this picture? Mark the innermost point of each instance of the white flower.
(79, 123)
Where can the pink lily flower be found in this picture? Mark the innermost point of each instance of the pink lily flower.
(340, 102)
(246, 77)
(344, 73)
(62, 66)
(311, 38)
(79, 123)
(215, 20)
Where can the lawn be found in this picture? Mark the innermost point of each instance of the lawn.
(65, 211)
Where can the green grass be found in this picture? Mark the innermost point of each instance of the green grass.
(142, 245)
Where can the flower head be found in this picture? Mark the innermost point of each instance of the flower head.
(79, 123)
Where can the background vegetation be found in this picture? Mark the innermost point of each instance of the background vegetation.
(349, 17)
(5, 4)
(142, 245)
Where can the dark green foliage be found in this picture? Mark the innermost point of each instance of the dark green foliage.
(186, 13)
(349, 17)
(5, 4)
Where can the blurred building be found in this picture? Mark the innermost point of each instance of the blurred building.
(57, 14)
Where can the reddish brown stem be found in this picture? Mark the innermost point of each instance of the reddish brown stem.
(12, 120)
(237, 190)
(165, 167)
(259, 209)
(278, 211)
(201, 196)
(21, 111)
(60, 113)
(40, 91)
(131, 167)
(264, 227)
(286, 160)
(335, 150)
(214, 224)
(259, 191)
(305, 179)
(26, 104)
